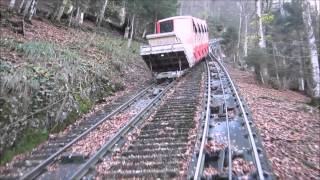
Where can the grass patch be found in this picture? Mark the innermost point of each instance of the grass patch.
(69, 55)
(315, 102)
(31, 138)
(84, 106)
(37, 50)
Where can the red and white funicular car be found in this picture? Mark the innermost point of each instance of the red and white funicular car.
(178, 44)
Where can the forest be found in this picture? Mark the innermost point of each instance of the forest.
(59, 58)
(277, 39)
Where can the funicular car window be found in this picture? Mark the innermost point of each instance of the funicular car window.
(166, 26)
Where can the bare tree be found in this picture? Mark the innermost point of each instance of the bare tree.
(281, 7)
(132, 30)
(27, 7)
(102, 12)
(61, 10)
(32, 10)
(262, 42)
(12, 3)
(21, 6)
(240, 4)
(312, 48)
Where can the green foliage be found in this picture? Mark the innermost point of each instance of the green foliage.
(215, 27)
(83, 105)
(147, 12)
(29, 140)
(267, 18)
(33, 91)
(315, 102)
(38, 50)
(229, 42)
(258, 56)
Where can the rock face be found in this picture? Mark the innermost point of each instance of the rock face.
(52, 75)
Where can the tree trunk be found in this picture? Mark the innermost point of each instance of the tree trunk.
(101, 13)
(26, 8)
(245, 46)
(61, 10)
(301, 76)
(71, 16)
(12, 3)
(131, 35)
(144, 32)
(312, 49)
(281, 7)
(79, 17)
(33, 9)
(239, 32)
(126, 32)
(21, 6)
(276, 66)
(122, 14)
(262, 42)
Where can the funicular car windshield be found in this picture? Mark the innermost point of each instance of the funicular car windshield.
(166, 26)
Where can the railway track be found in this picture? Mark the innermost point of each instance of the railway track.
(36, 165)
(160, 149)
(158, 139)
(228, 145)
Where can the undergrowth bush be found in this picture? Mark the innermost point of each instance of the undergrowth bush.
(50, 90)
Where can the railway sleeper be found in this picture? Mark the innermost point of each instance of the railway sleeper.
(185, 104)
(39, 156)
(179, 110)
(62, 140)
(46, 151)
(155, 151)
(175, 125)
(123, 165)
(145, 174)
(164, 135)
(9, 176)
(166, 130)
(172, 119)
(137, 146)
(162, 140)
(151, 158)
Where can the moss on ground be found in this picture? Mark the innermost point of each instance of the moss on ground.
(84, 104)
(30, 139)
(315, 102)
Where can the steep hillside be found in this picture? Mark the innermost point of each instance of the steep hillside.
(52, 74)
(289, 127)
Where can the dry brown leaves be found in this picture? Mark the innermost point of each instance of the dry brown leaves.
(242, 168)
(106, 130)
(104, 166)
(212, 148)
(192, 135)
(290, 129)
(210, 171)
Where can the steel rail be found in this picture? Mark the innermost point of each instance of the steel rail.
(228, 127)
(38, 169)
(123, 131)
(252, 141)
(199, 167)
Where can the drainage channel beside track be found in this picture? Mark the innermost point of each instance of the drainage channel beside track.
(228, 145)
(40, 162)
(160, 146)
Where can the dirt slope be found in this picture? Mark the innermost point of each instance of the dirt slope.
(290, 129)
